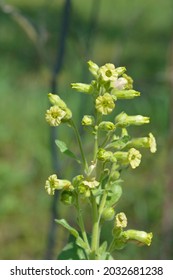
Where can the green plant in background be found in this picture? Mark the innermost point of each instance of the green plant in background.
(99, 181)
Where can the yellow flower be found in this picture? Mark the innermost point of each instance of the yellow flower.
(152, 143)
(53, 183)
(54, 115)
(123, 120)
(105, 104)
(90, 184)
(134, 157)
(121, 220)
(141, 237)
(108, 72)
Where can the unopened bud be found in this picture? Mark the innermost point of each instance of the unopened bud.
(93, 68)
(82, 87)
(108, 214)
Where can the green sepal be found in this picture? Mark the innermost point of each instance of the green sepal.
(64, 149)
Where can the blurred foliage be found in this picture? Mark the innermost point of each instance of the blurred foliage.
(136, 34)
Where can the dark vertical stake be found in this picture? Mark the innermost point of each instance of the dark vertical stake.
(53, 133)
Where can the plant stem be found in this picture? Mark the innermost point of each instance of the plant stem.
(80, 146)
(95, 232)
(81, 224)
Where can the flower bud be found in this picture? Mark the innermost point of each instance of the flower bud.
(119, 83)
(88, 120)
(77, 180)
(93, 68)
(129, 84)
(123, 120)
(120, 70)
(56, 100)
(108, 214)
(68, 115)
(142, 237)
(125, 94)
(67, 197)
(106, 126)
(82, 87)
(104, 155)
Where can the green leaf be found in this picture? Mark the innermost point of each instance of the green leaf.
(71, 251)
(74, 232)
(114, 195)
(64, 223)
(64, 149)
(102, 248)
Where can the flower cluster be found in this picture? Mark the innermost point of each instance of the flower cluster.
(114, 150)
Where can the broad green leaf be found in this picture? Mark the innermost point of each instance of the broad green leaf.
(71, 251)
(64, 149)
(114, 195)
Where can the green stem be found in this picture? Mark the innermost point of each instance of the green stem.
(80, 146)
(95, 231)
(102, 203)
(81, 224)
(95, 145)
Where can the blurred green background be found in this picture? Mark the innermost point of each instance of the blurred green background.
(135, 34)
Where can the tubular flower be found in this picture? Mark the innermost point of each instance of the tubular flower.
(53, 183)
(124, 94)
(134, 157)
(141, 237)
(54, 115)
(108, 72)
(123, 120)
(82, 87)
(144, 142)
(105, 104)
(152, 143)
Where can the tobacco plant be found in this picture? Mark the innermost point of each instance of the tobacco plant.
(98, 186)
